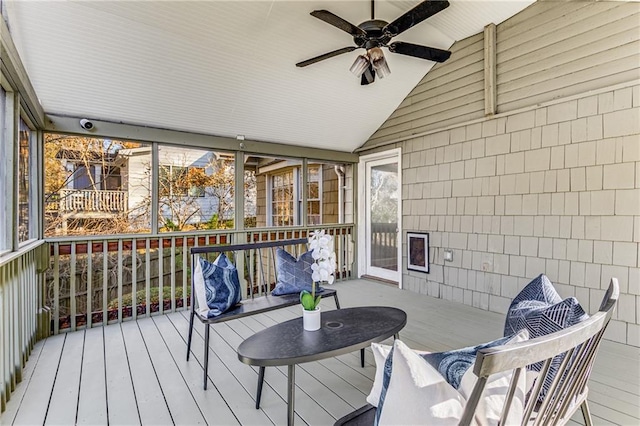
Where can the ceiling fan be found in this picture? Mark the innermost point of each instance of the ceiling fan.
(375, 33)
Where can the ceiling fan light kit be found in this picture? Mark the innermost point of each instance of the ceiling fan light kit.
(359, 65)
(375, 33)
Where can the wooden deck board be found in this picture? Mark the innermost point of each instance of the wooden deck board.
(64, 398)
(92, 401)
(35, 402)
(152, 407)
(210, 402)
(177, 393)
(121, 397)
(18, 395)
(222, 380)
(136, 372)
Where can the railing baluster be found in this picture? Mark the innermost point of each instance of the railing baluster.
(120, 267)
(72, 286)
(56, 288)
(160, 275)
(134, 279)
(89, 284)
(3, 330)
(13, 285)
(173, 274)
(185, 268)
(147, 278)
(105, 282)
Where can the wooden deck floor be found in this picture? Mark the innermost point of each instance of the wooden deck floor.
(136, 373)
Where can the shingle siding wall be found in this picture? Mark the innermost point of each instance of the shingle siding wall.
(552, 190)
(549, 185)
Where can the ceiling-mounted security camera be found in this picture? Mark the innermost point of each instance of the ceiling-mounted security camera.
(86, 124)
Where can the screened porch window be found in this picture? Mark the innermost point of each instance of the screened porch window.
(24, 188)
(4, 177)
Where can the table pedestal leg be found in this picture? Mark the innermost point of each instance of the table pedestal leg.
(291, 387)
(259, 391)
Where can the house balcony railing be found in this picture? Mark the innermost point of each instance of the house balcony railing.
(103, 279)
(92, 201)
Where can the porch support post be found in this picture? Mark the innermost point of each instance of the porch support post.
(238, 202)
(239, 191)
(304, 180)
(155, 178)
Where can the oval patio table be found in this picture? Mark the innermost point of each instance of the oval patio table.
(343, 331)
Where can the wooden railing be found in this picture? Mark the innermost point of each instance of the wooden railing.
(21, 283)
(86, 200)
(384, 247)
(104, 279)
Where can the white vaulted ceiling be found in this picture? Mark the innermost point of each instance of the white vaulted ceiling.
(226, 67)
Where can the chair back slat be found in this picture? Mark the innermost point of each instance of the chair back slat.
(577, 345)
(513, 386)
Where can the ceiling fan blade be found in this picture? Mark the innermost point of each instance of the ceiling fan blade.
(368, 77)
(326, 56)
(423, 52)
(338, 22)
(415, 16)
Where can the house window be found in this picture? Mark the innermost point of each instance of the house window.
(24, 188)
(286, 197)
(84, 177)
(282, 199)
(112, 180)
(173, 181)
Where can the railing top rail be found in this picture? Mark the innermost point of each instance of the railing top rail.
(191, 233)
(237, 247)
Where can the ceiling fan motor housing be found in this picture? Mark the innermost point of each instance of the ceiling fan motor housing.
(374, 37)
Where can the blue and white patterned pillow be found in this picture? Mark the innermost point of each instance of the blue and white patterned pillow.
(540, 309)
(490, 405)
(294, 275)
(217, 286)
(453, 364)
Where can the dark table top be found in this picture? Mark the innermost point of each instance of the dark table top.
(343, 331)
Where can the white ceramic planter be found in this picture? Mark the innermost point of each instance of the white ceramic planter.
(311, 319)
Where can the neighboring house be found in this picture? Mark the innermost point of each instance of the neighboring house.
(92, 191)
(106, 186)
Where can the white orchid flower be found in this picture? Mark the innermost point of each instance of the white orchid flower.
(323, 253)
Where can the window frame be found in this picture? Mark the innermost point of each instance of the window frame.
(320, 193)
(298, 196)
(6, 157)
(293, 171)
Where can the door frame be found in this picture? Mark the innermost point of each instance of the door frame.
(395, 155)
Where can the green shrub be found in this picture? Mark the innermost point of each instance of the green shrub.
(142, 298)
